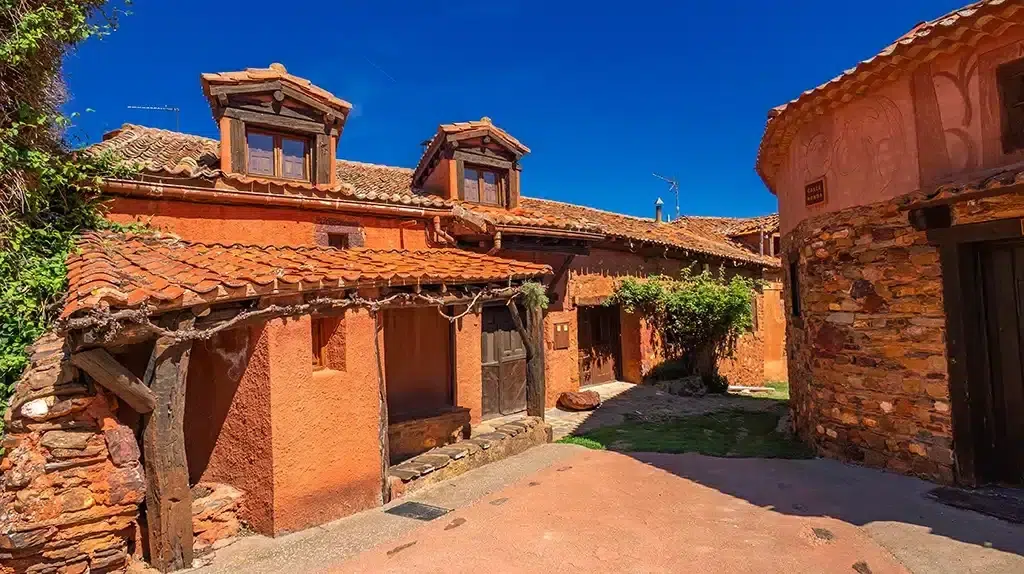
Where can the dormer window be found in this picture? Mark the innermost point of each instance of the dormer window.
(481, 185)
(277, 155)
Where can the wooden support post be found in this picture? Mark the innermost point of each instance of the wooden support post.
(105, 370)
(382, 421)
(533, 339)
(168, 500)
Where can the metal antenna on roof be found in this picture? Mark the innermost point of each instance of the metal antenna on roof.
(673, 187)
(177, 113)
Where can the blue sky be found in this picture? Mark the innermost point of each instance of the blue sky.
(603, 93)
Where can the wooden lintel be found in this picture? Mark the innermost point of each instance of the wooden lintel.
(168, 499)
(277, 121)
(229, 89)
(475, 158)
(974, 232)
(105, 370)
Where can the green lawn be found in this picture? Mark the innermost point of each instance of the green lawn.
(732, 433)
(780, 392)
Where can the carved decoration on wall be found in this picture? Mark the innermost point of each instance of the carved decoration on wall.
(871, 147)
(963, 152)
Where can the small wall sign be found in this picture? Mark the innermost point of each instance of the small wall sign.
(561, 336)
(814, 193)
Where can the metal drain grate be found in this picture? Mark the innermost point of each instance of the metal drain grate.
(418, 511)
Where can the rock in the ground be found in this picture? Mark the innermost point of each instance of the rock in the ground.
(214, 514)
(579, 401)
(692, 386)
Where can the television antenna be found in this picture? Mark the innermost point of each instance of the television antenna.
(673, 187)
(177, 113)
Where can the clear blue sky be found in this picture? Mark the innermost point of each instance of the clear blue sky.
(603, 93)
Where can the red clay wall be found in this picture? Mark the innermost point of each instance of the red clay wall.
(227, 419)
(326, 448)
(302, 444)
(417, 341)
(261, 225)
(468, 375)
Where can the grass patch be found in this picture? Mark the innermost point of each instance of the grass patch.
(733, 433)
(581, 441)
(780, 390)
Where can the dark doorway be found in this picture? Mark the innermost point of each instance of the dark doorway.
(996, 390)
(503, 361)
(598, 334)
(417, 362)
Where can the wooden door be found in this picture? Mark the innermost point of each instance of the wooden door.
(598, 335)
(503, 364)
(998, 391)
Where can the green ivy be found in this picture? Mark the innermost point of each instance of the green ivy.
(535, 295)
(699, 317)
(47, 192)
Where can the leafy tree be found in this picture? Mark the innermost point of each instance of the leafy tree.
(698, 318)
(47, 192)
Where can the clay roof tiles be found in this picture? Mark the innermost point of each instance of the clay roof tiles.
(170, 154)
(274, 72)
(110, 270)
(645, 230)
(730, 226)
(964, 26)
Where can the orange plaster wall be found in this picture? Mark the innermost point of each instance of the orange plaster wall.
(442, 180)
(260, 225)
(417, 345)
(468, 374)
(326, 448)
(937, 123)
(227, 419)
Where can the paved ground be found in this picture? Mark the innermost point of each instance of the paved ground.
(561, 507)
(621, 402)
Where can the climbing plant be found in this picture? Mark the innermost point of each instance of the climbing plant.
(47, 191)
(698, 317)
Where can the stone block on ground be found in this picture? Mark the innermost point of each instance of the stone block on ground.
(579, 401)
(692, 386)
(214, 513)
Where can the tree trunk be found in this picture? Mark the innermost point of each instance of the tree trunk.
(533, 339)
(168, 500)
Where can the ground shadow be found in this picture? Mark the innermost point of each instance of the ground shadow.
(806, 488)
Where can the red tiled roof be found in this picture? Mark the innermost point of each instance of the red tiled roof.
(1004, 180)
(170, 154)
(646, 230)
(962, 27)
(730, 226)
(111, 270)
(166, 153)
(484, 123)
(274, 72)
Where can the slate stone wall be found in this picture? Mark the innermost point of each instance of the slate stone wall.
(867, 354)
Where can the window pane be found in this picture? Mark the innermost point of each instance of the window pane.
(293, 158)
(490, 191)
(471, 188)
(261, 154)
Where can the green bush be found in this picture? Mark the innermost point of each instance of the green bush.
(698, 317)
(581, 441)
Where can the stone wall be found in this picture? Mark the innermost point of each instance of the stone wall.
(867, 355)
(410, 437)
(72, 482)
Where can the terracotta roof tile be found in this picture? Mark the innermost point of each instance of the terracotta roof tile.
(484, 122)
(1004, 180)
(274, 72)
(962, 27)
(730, 226)
(645, 230)
(120, 271)
(171, 154)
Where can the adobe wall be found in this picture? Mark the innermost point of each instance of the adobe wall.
(212, 223)
(940, 122)
(227, 419)
(468, 372)
(302, 444)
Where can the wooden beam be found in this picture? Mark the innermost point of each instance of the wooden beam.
(168, 500)
(105, 370)
(229, 89)
(973, 232)
(277, 121)
(478, 159)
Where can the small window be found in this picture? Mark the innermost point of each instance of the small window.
(321, 330)
(794, 288)
(776, 245)
(482, 186)
(1010, 77)
(338, 240)
(277, 155)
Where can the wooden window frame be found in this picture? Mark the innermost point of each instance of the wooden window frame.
(502, 183)
(277, 138)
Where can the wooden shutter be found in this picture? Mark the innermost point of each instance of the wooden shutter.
(236, 129)
(322, 158)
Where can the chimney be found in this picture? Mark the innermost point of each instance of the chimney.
(657, 210)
